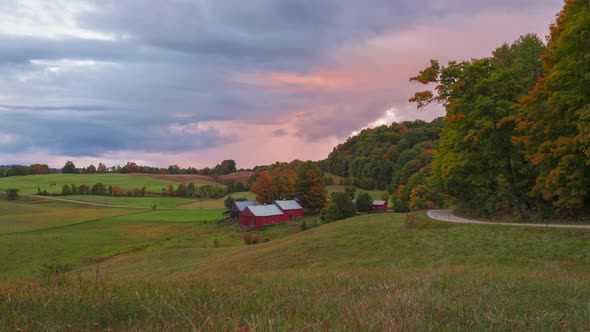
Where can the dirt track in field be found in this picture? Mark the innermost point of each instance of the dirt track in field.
(179, 178)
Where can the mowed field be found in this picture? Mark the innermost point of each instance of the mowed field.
(53, 183)
(375, 194)
(158, 270)
(34, 234)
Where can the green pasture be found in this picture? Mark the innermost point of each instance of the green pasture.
(219, 203)
(375, 194)
(32, 214)
(147, 202)
(53, 183)
(62, 233)
(372, 272)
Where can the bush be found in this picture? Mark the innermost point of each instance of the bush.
(65, 190)
(303, 226)
(12, 194)
(252, 239)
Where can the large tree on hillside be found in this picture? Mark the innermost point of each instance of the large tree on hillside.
(477, 162)
(263, 188)
(555, 123)
(311, 188)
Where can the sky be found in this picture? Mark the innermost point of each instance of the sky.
(194, 82)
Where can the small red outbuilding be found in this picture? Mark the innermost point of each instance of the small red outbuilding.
(291, 209)
(379, 206)
(262, 215)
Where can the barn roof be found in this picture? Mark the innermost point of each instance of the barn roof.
(288, 205)
(265, 210)
(243, 204)
(379, 202)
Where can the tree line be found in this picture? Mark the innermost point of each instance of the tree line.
(517, 134)
(225, 167)
(515, 138)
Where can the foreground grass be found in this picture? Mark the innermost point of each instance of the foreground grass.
(373, 272)
(376, 299)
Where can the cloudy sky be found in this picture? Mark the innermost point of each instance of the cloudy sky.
(194, 82)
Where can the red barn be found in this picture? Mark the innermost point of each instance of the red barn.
(379, 206)
(262, 215)
(291, 209)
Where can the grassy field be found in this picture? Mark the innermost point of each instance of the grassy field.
(31, 215)
(63, 233)
(375, 194)
(159, 202)
(372, 272)
(53, 183)
(218, 203)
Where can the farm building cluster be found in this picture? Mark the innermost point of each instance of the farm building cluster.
(252, 216)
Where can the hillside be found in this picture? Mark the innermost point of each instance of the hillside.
(373, 272)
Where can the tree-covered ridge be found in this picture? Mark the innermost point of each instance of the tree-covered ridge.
(555, 120)
(386, 156)
(517, 138)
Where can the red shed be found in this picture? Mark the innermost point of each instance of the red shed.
(379, 206)
(291, 209)
(261, 215)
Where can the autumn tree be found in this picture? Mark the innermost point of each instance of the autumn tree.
(310, 187)
(101, 168)
(555, 122)
(263, 188)
(477, 161)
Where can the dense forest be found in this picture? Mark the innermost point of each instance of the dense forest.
(395, 157)
(515, 139)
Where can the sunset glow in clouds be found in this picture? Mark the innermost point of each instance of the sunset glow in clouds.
(196, 82)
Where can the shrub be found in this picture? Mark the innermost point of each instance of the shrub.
(303, 226)
(252, 239)
(11, 194)
(65, 190)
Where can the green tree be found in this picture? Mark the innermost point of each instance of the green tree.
(69, 168)
(91, 169)
(98, 189)
(351, 191)
(477, 157)
(229, 202)
(555, 123)
(340, 207)
(364, 202)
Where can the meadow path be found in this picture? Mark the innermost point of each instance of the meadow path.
(449, 216)
(96, 204)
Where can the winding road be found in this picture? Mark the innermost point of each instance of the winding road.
(449, 216)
